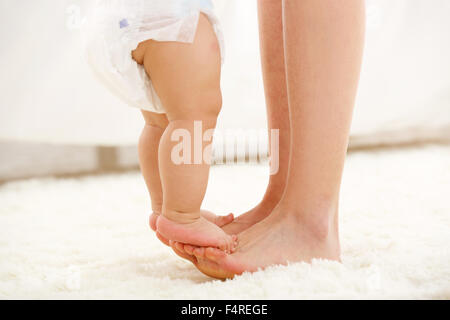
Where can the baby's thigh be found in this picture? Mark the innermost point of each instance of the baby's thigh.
(186, 77)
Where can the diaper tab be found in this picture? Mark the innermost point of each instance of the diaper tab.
(124, 23)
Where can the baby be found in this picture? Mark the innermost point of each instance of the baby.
(165, 57)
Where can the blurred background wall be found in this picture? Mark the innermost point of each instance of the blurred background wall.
(56, 119)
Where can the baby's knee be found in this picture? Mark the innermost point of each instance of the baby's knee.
(201, 105)
(206, 107)
(212, 104)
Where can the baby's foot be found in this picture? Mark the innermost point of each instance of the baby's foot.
(217, 220)
(201, 232)
(220, 221)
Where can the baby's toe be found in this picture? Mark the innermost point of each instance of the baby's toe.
(235, 243)
(153, 220)
(227, 245)
(224, 220)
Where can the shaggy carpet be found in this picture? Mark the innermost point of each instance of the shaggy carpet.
(88, 238)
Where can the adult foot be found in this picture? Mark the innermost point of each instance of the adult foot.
(205, 264)
(248, 219)
(241, 223)
(277, 240)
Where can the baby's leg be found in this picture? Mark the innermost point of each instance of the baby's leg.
(187, 79)
(155, 125)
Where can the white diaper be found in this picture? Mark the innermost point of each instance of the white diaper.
(115, 29)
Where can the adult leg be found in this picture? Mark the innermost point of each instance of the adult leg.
(274, 74)
(323, 44)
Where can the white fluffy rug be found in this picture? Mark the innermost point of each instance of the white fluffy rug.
(88, 238)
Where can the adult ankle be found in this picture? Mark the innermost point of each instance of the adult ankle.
(320, 222)
(271, 198)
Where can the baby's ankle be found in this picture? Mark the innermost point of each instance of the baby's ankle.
(181, 217)
(157, 211)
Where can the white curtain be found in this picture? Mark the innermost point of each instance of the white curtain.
(48, 94)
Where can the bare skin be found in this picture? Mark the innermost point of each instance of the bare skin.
(155, 125)
(274, 75)
(270, 234)
(187, 79)
(323, 52)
